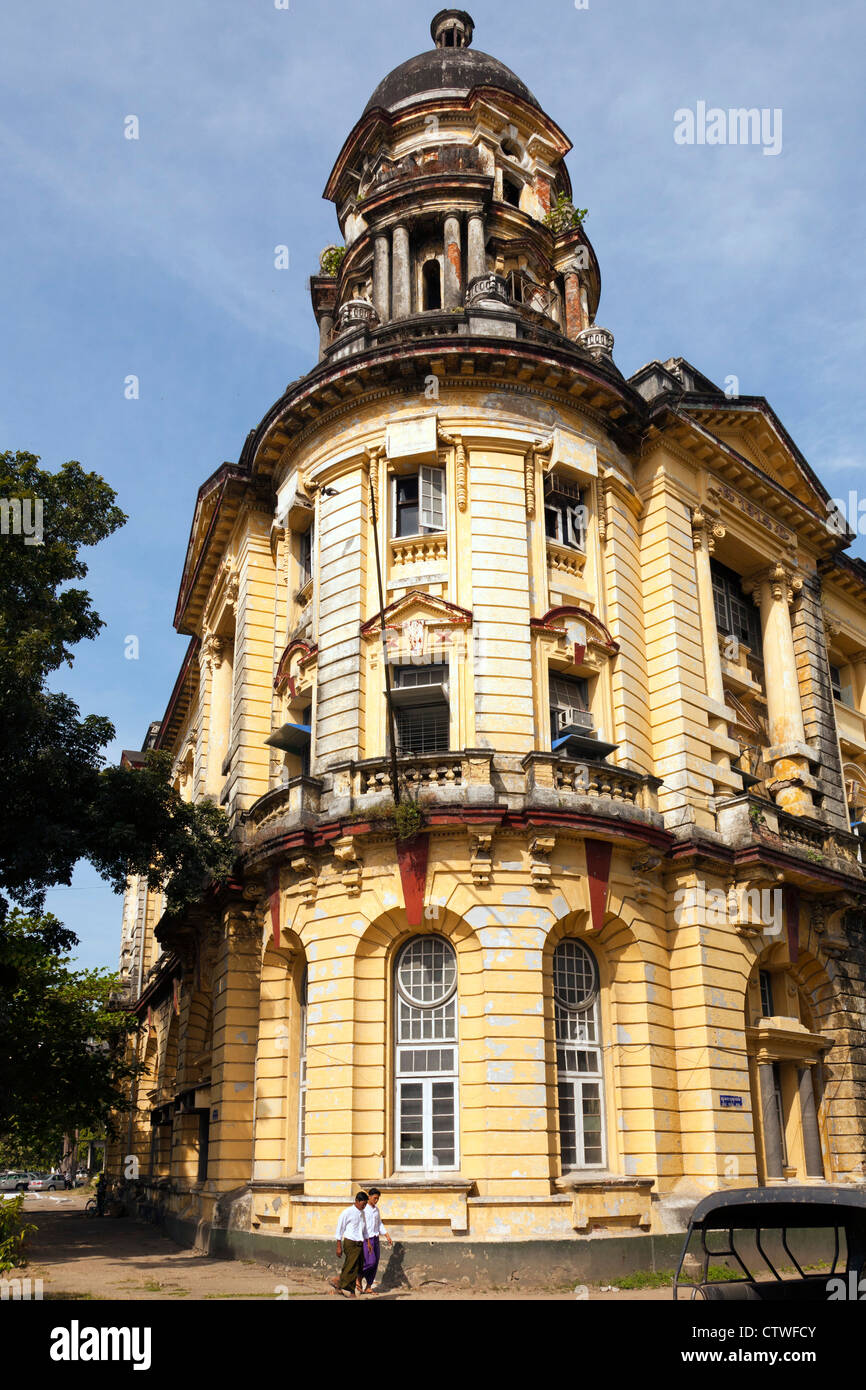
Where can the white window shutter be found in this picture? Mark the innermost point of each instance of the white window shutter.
(431, 497)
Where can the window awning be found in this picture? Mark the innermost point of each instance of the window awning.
(409, 696)
(292, 738)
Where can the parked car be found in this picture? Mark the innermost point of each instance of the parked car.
(47, 1182)
(16, 1181)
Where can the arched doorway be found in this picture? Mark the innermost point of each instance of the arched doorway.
(786, 1074)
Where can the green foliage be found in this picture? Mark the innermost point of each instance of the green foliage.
(331, 259)
(647, 1279)
(60, 1068)
(408, 819)
(13, 1234)
(756, 815)
(52, 778)
(564, 216)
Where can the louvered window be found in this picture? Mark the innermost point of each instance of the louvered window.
(419, 502)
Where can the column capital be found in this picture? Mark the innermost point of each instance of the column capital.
(706, 528)
(782, 580)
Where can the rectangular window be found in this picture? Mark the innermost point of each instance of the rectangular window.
(565, 515)
(418, 502)
(422, 718)
(736, 614)
(422, 730)
(580, 1124)
(569, 704)
(305, 556)
(766, 980)
(427, 1123)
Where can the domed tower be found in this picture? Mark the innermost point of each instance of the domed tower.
(481, 634)
(454, 200)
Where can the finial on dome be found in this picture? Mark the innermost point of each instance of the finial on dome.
(452, 29)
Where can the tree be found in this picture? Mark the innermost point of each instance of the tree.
(58, 802)
(59, 1066)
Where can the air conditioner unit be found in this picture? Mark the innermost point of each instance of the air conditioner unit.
(576, 721)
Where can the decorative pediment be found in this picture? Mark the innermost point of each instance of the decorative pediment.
(577, 637)
(295, 669)
(419, 627)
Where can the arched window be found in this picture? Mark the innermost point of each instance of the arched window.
(431, 275)
(579, 1071)
(302, 1074)
(425, 979)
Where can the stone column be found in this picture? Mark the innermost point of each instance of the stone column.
(235, 1033)
(326, 328)
(573, 307)
(476, 248)
(773, 590)
(774, 1158)
(401, 295)
(382, 278)
(705, 532)
(811, 1133)
(452, 289)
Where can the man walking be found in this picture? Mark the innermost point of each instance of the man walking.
(351, 1238)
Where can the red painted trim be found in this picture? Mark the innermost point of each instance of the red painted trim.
(440, 605)
(274, 904)
(309, 649)
(598, 856)
(412, 860)
(552, 621)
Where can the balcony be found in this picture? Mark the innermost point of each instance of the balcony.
(556, 781)
(292, 806)
(429, 551)
(564, 562)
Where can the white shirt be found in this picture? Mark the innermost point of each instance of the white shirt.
(373, 1218)
(351, 1224)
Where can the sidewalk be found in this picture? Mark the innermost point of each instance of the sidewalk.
(116, 1258)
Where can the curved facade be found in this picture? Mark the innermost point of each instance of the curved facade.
(603, 952)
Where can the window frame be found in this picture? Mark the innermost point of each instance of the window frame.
(729, 601)
(303, 999)
(554, 707)
(578, 1082)
(407, 1078)
(411, 711)
(428, 527)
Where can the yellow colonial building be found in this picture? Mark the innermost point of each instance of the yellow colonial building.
(604, 951)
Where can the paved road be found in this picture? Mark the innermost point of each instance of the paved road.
(116, 1258)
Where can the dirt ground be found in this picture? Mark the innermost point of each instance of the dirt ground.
(116, 1258)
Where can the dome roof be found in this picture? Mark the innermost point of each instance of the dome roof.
(446, 70)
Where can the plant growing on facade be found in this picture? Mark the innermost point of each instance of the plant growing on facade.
(408, 819)
(564, 216)
(331, 259)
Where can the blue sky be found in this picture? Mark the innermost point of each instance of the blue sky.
(155, 257)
